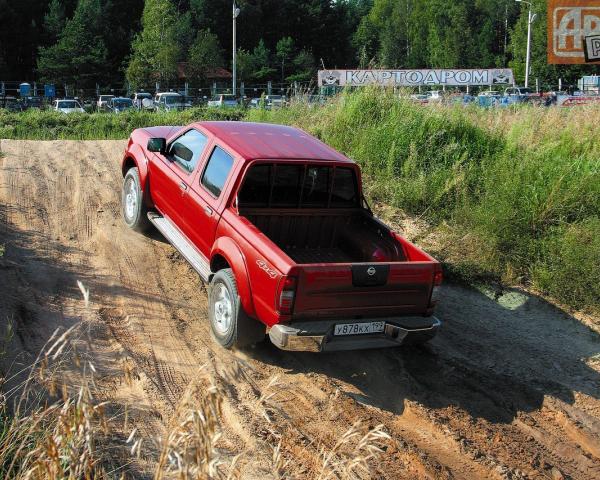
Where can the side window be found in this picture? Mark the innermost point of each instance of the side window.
(216, 171)
(186, 150)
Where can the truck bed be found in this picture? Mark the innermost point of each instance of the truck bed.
(310, 236)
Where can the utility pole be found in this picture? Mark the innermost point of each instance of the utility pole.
(236, 12)
(530, 19)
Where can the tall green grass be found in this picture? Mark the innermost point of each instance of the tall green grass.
(50, 125)
(512, 195)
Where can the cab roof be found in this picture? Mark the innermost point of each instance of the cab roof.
(269, 141)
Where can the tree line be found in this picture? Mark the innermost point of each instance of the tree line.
(110, 42)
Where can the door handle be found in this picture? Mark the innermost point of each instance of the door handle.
(208, 211)
(183, 186)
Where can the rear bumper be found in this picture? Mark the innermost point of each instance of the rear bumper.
(317, 336)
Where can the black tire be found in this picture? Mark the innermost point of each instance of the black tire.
(135, 213)
(240, 330)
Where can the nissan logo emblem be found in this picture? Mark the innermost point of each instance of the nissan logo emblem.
(371, 271)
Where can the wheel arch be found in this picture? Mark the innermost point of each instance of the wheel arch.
(227, 254)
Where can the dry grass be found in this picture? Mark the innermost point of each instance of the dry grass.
(53, 427)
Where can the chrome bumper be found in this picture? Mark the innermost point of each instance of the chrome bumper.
(317, 336)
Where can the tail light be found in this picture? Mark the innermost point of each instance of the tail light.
(437, 283)
(286, 294)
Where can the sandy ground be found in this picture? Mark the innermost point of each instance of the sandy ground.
(510, 388)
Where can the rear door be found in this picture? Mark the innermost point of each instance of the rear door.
(205, 196)
(363, 289)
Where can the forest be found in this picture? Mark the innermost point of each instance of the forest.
(137, 42)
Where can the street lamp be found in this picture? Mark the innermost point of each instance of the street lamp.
(236, 12)
(530, 19)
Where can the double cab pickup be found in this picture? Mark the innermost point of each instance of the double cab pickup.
(276, 222)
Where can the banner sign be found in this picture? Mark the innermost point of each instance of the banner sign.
(414, 78)
(573, 31)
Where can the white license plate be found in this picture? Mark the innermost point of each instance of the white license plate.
(359, 328)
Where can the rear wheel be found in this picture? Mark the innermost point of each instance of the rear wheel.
(230, 325)
(135, 212)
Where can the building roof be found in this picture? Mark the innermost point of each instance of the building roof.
(269, 141)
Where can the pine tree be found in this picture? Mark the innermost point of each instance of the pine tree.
(205, 55)
(155, 50)
(79, 56)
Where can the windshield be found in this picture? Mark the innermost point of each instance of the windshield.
(289, 185)
(122, 102)
(525, 91)
(144, 95)
(68, 104)
(104, 98)
(172, 99)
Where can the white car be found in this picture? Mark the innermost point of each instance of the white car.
(434, 96)
(103, 100)
(225, 100)
(67, 106)
(170, 101)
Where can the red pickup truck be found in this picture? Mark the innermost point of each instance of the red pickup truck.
(276, 222)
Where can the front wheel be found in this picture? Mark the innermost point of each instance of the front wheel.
(135, 212)
(230, 325)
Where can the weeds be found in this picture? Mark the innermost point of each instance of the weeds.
(51, 125)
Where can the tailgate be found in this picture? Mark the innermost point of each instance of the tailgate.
(364, 290)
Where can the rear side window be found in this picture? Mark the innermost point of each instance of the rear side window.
(216, 171)
(186, 150)
(344, 190)
(257, 187)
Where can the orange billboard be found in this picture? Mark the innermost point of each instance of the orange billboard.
(573, 31)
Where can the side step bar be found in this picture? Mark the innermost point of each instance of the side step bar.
(198, 261)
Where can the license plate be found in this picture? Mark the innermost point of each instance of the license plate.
(359, 328)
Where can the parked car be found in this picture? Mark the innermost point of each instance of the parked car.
(276, 222)
(254, 102)
(420, 98)
(224, 100)
(519, 94)
(11, 104)
(33, 102)
(489, 93)
(67, 106)
(139, 103)
(120, 104)
(170, 101)
(434, 96)
(520, 91)
(102, 103)
(275, 101)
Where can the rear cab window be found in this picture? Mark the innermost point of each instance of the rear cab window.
(286, 185)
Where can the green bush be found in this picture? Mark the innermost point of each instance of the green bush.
(512, 194)
(50, 125)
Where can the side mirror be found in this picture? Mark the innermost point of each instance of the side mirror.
(157, 145)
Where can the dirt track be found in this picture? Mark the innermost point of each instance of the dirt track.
(509, 389)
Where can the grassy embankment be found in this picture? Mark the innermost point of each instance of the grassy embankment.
(511, 195)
